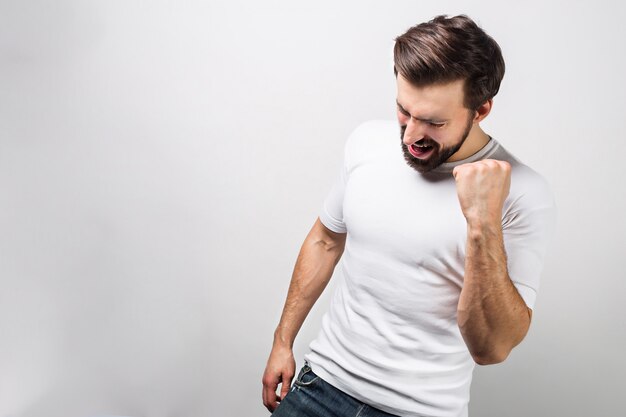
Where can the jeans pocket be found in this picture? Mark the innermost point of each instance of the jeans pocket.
(306, 377)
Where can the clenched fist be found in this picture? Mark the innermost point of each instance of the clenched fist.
(482, 187)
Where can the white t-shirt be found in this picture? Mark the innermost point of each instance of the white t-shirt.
(390, 338)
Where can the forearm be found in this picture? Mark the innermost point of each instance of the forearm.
(492, 316)
(316, 261)
(314, 267)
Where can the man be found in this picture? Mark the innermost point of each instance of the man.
(444, 243)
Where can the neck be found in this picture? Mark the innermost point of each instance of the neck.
(475, 141)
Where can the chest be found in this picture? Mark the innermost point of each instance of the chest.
(405, 215)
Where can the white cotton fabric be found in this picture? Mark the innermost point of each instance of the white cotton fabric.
(390, 337)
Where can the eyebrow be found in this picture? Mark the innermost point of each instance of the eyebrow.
(421, 119)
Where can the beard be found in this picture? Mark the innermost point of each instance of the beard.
(439, 155)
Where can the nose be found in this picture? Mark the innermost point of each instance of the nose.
(414, 131)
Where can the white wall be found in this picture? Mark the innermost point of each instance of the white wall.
(161, 162)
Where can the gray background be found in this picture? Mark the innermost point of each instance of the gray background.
(161, 163)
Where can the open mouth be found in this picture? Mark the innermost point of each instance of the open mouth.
(421, 150)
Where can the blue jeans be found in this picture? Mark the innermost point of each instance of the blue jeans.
(311, 396)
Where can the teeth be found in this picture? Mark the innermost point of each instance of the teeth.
(422, 146)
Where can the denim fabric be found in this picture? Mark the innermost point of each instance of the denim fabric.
(311, 396)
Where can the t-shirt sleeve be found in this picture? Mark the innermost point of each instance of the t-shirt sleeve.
(528, 229)
(332, 211)
(331, 214)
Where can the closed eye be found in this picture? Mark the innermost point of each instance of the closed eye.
(431, 123)
(404, 112)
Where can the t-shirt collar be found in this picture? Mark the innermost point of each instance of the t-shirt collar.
(483, 153)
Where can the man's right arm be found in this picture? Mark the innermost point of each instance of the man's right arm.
(314, 267)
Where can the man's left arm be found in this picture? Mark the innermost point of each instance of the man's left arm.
(491, 314)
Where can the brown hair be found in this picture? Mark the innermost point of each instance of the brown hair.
(449, 49)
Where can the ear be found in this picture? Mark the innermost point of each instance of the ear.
(483, 111)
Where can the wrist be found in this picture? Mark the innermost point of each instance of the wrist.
(483, 227)
(282, 341)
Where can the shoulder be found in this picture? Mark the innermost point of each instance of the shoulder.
(531, 200)
(372, 137)
(530, 188)
(373, 130)
(527, 185)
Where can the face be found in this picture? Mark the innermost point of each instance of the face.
(434, 123)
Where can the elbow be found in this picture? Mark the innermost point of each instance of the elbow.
(492, 357)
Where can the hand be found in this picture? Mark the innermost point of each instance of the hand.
(482, 187)
(280, 369)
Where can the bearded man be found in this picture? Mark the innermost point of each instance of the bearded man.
(441, 245)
